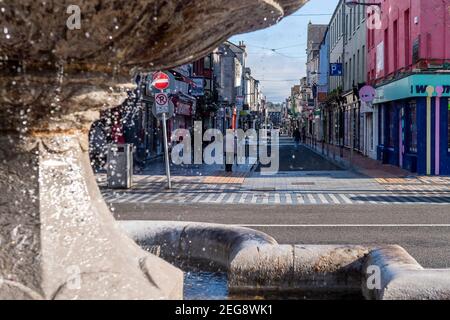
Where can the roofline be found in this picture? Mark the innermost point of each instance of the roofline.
(336, 9)
(234, 45)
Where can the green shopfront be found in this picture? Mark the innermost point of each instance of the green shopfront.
(414, 123)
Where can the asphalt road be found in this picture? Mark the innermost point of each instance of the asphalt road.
(302, 159)
(422, 230)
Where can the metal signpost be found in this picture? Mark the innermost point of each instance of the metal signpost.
(162, 109)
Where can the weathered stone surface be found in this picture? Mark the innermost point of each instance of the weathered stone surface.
(254, 261)
(256, 264)
(302, 268)
(403, 278)
(117, 35)
(195, 241)
(58, 238)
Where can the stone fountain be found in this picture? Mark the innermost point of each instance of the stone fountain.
(58, 239)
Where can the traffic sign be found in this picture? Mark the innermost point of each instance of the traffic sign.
(160, 81)
(367, 94)
(161, 103)
(336, 69)
(157, 110)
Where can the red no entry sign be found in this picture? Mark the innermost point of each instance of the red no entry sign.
(160, 81)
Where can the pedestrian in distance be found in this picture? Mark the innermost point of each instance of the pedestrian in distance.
(296, 136)
(229, 151)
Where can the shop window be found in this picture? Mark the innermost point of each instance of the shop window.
(207, 63)
(391, 127)
(382, 122)
(448, 125)
(412, 127)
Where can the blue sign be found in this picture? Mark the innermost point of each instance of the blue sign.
(413, 86)
(336, 69)
(198, 88)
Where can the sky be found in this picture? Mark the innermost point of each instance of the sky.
(279, 71)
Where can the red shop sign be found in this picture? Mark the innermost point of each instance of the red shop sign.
(183, 108)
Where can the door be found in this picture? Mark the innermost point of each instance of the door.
(369, 134)
(401, 136)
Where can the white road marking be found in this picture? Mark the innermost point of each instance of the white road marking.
(277, 198)
(322, 198)
(300, 199)
(311, 199)
(344, 225)
(197, 198)
(231, 198)
(344, 197)
(288, 198)
(237, 197)
(334, 198)
(208, 198)
(220, 198)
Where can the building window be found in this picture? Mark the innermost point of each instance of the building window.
(207, 63)
(407, 38)
(363, 63)
(346, 28)
(358, 68)
(412, 127)
(352, 83)
(386, 52)
(395, 45)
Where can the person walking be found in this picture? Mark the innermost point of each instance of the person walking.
(229, 150)
(296, 136)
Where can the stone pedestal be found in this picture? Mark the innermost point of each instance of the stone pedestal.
(58, 238)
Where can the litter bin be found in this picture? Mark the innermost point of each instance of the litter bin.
(120, 166)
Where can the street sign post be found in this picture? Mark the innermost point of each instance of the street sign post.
(166, 151)
(161, 82)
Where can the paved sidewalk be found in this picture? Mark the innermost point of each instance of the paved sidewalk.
(152, 179)
(365, 165)
(390, 177)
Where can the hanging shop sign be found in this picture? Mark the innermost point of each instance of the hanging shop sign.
(198, 87)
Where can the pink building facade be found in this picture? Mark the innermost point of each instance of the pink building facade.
(408, 62)
(413, 33)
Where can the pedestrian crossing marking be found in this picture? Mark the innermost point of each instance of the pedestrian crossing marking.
(300, 199)
(311, 199)
(279, 198)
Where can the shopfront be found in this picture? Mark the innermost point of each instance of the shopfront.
(352, 123)
(184, 110)
(414, 122)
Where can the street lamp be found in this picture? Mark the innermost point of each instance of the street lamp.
(352, 3)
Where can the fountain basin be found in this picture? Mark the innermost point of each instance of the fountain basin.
(257, 266)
